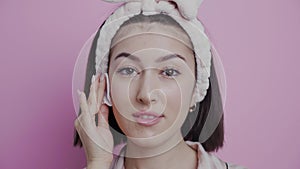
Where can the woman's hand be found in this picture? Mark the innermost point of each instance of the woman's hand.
(97, 139)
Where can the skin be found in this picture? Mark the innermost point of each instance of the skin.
(140, 83)
(96, 139)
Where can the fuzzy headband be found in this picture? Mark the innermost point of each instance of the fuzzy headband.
(181, 11)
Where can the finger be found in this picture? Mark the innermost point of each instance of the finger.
(103, 116)
(97, 81)
(83, 123)
(84, 118)
(83, 102)
(87, 132)
(92, 89)
(100, 90)
(92, 98)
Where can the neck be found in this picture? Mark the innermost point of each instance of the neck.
(179, 156)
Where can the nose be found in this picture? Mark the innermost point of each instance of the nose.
(147, 84)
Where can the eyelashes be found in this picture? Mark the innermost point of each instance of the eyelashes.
(127, 71)
(168, 72)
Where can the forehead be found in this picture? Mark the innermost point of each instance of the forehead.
(152, 45)
(152, 41)
(144, 28)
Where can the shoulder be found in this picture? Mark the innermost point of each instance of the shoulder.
(205, 160)
(208, 160)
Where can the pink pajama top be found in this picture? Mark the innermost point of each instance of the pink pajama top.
(205, 160)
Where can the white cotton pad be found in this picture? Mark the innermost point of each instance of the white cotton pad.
(106, 98)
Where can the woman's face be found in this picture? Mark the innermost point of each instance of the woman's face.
(152, 80)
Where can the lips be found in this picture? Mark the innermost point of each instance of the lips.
(147, 118)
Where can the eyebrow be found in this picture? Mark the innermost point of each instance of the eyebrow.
(127, 55)
(170, 56)
(161, 59)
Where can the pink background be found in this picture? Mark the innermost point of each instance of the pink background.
(258, 42)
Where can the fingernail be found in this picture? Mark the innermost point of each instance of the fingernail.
(102, 76)
(97, 77)
(102, 109)
(93, 79)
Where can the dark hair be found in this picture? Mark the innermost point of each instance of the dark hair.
(194, 123)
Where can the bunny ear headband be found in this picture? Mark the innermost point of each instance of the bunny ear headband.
(182, 11)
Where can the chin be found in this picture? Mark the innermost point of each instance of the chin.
(147, 142)
(150, 138)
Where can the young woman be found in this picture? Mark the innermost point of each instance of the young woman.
(154, 90)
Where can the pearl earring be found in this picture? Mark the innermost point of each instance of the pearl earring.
(193, 108)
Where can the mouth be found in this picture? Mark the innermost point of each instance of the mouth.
(147, 118)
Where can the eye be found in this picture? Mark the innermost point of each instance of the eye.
(127, 71)
(170, 72)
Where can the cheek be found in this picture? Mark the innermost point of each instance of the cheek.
(120, 104)
(120, 95)
(181, 92)
(119, 91)
(179, 98)
(174, 96)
